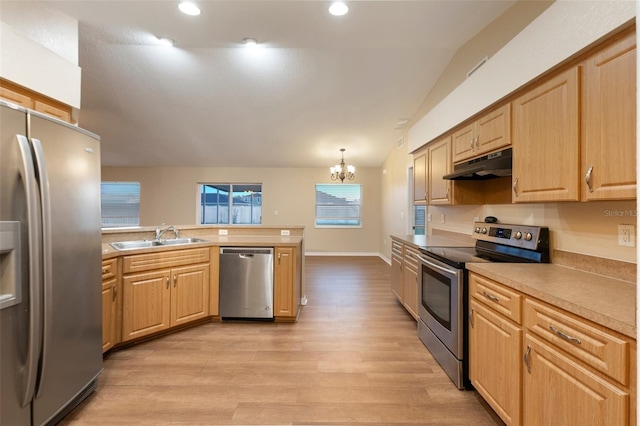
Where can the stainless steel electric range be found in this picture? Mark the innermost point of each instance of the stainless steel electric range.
(443, 287)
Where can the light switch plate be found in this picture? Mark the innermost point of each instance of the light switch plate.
(626, 235)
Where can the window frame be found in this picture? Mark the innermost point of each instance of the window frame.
(199, 205)
(119, 225)
(337, 226)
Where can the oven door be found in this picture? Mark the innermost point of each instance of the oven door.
(441, 305)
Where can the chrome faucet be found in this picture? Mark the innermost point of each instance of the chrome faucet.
(160, 232)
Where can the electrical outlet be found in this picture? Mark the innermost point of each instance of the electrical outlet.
(401, 215)
(428, 217)
(285, 232)
(275, 213)
(223, 232)
(626, 235)
(441, 218)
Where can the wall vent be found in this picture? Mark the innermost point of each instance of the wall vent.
(401, 124)
(400, 142)
(481, 63)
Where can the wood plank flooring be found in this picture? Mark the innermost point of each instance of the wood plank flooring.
(352, 358)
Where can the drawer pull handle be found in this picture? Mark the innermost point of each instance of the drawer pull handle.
(471, 318)
(515, 187)
(527, 353)
(490, 296)
(105, 270)
(564, 336)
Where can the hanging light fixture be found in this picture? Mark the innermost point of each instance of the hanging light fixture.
(342, 171)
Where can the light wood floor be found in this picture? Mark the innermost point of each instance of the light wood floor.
(353, 358)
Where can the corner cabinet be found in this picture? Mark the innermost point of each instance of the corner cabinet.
(163, 290)
(286, 290)
(609, 140)
(546, 141)
(110, 304)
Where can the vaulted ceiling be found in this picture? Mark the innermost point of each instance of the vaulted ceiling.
(317, 82)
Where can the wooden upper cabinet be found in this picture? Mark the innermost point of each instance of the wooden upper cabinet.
(29, 99)
(486, 134)
(546, 141)
(420, 177)
(439, 164)
(609, 141)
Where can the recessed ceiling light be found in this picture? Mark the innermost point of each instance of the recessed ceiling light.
(250, 42)
(338, 9)
(166, 41)
(189, 8)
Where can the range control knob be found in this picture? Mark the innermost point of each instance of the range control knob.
(477, 229)
(518, 235)
(528, 236)
(484, 230)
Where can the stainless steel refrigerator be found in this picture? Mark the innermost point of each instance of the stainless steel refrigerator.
(50, 260)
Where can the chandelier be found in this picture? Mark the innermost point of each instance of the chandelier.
(342, 171)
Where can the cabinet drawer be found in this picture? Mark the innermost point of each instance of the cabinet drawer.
(601, 350)
(501, 299)
(148, 261)
(109, 269)
(411, 257)
(396, 248)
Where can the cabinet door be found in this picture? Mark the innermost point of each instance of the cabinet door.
(420, 178)
(464, 143)
(146, 302)
(189, 294)
(439, 155)
(396, 277)
(545, 141)
(494, 130)
(558, 391)
(410, 290)
(109, 331)
(609, 143)
(495, 346)
(284, 282)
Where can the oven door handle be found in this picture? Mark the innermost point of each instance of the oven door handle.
(433, 265)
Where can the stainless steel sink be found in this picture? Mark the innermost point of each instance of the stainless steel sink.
(138, 244)
(177, 241)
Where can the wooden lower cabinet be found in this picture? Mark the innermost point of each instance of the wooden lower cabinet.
(554, 369)
(110, 305)
(285, 289)
(410, 281)
(396, 269)
(495, 347)
(175, 293)
(560, 391)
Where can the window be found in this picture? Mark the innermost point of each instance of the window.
(338, 205)
(120, 204)
(419, 220)
(226, 203)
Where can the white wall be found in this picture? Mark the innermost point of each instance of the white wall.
(39, 50)
(170, 195)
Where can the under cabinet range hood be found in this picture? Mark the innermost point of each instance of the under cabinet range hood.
(489, 166)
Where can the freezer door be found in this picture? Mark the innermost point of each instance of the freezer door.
(69, 174)
(14, 319)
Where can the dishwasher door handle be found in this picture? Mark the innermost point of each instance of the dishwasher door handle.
(245, 256)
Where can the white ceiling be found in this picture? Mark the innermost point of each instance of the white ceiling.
(319, 83)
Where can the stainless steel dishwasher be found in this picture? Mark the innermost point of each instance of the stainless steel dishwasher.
(246, 283)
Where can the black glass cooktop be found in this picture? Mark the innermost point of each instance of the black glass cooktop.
(456, 256)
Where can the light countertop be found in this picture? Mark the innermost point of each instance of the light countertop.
(418, 241)
(603, 300)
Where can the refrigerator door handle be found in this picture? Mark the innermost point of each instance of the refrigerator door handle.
(47, 273)
(27, 173)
